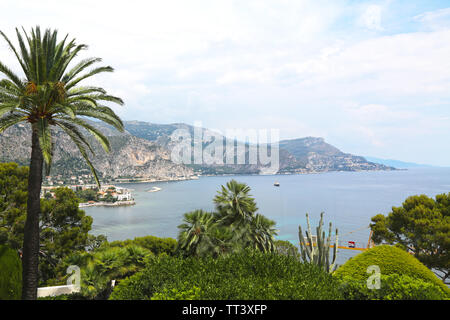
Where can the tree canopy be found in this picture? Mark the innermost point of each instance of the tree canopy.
(63, 226)
(422, 226)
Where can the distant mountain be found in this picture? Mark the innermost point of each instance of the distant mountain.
(144, 151)
(397, 163)
(317, 155)
(130, 156)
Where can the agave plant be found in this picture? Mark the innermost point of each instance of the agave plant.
(49, 95)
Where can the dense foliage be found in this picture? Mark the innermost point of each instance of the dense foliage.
(100, 267)
(391, 260)
(154, 244)
(422, 226)
(13, 203)
(63, 226)
(10, 274)
(87, 195)
(392, 287)
(249, 274)
(234, 225)
(112, 261)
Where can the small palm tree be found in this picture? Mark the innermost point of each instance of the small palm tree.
(49, 95)
(220, 241)
(195, 229)
(261, 233)
(234, 203)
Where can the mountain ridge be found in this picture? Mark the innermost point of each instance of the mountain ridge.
(143, 151)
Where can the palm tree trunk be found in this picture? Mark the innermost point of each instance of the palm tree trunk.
(30, 258)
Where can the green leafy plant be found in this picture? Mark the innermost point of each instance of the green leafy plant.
(177, 294)
(234, 225)
(154, 244)
(393, 287)
(10, 274)
(248, 274)
(390, 260)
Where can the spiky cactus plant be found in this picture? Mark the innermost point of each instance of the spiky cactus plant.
(318, 253)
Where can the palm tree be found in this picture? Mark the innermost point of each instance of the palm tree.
(195, 229)
(234, 204)
(261, 233)
(237, 210)
(220, 241)
(48, 95)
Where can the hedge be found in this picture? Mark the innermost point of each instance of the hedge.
(391, 260)
(393, 287)
(247, 275)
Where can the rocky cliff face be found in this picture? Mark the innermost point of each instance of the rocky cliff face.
(304, 155)
(144, 151)
(130, 156)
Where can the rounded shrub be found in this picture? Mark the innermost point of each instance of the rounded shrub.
(247, 275)
(10, 274)
(391, 261)
(393, 287)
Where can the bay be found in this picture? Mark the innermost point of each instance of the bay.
(348, 200)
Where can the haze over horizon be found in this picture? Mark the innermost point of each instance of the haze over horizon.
(370, 77)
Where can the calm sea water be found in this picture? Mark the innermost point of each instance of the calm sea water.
(349, 200)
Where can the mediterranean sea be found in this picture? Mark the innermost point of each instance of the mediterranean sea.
(348, 200)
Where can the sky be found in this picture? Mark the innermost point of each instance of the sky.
(371, 77)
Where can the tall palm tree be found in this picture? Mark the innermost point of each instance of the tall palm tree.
(49, 95)
(195, 230)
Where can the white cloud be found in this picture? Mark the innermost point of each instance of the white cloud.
(296, 65)
(435, 20)
(371, 18)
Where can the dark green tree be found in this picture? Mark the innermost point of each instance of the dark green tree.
(49, 95)
(421, 226)
(63, 226)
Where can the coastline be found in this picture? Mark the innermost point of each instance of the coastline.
(119, 181)
(107, 204)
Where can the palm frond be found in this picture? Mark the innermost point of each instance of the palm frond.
(89, 74)
(10, 120)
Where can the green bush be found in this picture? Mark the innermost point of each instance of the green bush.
(178, 294)
(247, 275)
(286, 248)
(390, 260)
(10, 274)
(72, 296)
(392, 287)
(101, 266)
(154, 244)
